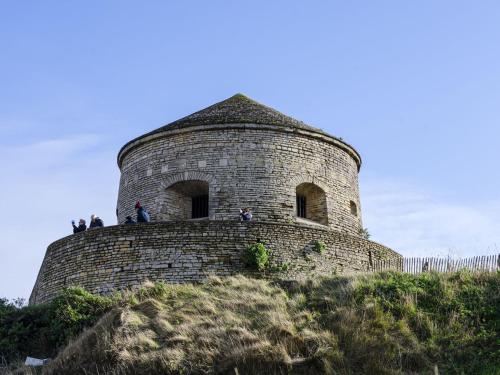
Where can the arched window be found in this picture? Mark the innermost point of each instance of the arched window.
(354, 208)
(311, 203)
(186, 200)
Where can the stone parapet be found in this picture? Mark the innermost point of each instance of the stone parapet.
(118, 257)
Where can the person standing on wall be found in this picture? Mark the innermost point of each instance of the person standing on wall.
(129, 220)
(95, 222)
(142, 213)
(245, 214)
(81, 226)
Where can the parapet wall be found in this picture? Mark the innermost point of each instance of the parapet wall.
(118, 257)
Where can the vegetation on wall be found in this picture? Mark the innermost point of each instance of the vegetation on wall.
(281, 267)
(256, 256)
(364, 233)
(319, 247)
(387, 323)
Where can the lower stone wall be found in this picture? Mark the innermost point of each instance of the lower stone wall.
(112, 258)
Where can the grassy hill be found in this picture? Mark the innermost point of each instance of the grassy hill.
(387, 323)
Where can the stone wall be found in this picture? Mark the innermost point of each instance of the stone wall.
(245, 165)
(118, 257)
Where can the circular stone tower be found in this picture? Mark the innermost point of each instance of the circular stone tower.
(239, 153)
(193, 176)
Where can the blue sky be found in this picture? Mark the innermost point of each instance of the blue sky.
(414, 86)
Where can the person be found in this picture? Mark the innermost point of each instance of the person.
(81, 226)
(129, 220)
(95, 222)
(142, 213)
(245, 214)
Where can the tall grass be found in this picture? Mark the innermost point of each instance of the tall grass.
(388, 323)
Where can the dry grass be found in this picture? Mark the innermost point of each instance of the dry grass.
(213, 328)
(379, 324)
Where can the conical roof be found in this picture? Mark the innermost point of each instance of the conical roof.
(238, 109)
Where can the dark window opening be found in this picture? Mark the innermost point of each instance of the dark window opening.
(199, 206)
(186, 200)
(301, 206)
(311, 203)
(354, 209)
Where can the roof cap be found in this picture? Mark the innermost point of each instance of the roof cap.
(238, 109)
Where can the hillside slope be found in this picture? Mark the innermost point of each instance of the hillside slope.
(388, 323)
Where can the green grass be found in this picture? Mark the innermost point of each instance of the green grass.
(387, 323)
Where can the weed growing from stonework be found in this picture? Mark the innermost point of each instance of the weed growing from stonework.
(364, 233)
(256, 256)
(281, 267)
(319, 247)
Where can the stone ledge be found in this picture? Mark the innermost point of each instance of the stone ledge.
(123, 256)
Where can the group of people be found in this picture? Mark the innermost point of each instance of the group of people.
(142, 217)
(95, 222)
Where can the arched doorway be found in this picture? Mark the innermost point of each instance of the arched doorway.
(186, 200)
(311, 203)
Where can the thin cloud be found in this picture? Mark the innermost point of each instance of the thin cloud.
(44, 153)
(416, 223)
(49, 183)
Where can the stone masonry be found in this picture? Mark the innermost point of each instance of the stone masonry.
(123, 256)
(245, 165)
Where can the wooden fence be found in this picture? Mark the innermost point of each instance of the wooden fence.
(487, 263)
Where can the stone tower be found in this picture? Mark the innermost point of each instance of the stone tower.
(239, 153)
(193, 175)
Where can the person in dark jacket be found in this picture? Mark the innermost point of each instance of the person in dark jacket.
(142, 213)
(129, 220)
(81, 226)
(245, 214)
(95, 222)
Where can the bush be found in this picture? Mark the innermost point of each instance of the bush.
(319, 247)
(41, 330)
(256, 256)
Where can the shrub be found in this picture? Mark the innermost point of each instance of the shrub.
(74, 309)
(41, 329)
(256, 256)
(319, 247)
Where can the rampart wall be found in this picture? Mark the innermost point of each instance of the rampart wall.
(117, 257)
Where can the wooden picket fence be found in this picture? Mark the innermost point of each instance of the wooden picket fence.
(486, 263)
